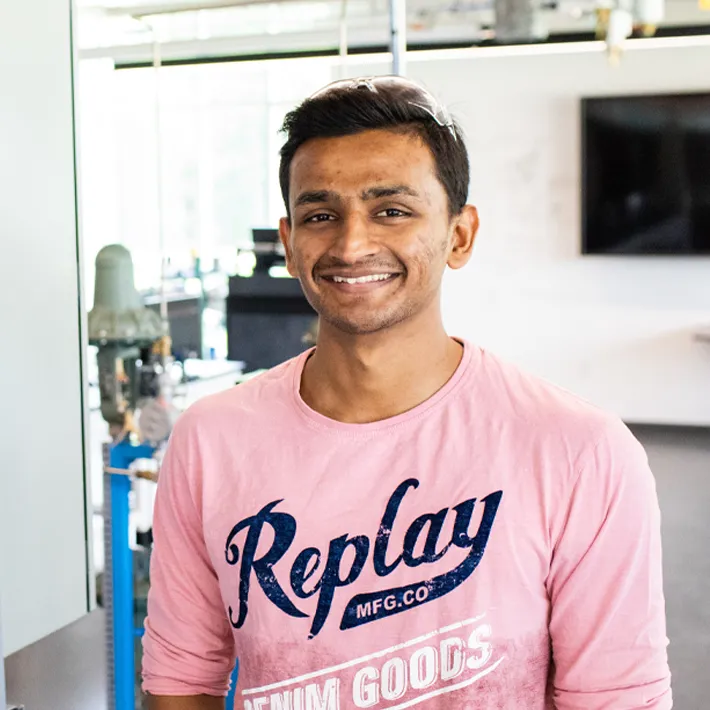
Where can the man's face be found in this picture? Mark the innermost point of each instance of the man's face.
(370, 233)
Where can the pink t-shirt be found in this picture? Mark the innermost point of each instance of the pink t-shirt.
(496, 547)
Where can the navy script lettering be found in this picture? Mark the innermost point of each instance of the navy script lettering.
(363, 608)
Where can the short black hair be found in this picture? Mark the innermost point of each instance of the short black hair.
(351, 107)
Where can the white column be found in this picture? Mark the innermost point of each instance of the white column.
(43, 551)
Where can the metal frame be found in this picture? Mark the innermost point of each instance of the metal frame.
(3, 695)
(118, 575)
(3, 690)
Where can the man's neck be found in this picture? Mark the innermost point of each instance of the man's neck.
(362, 379)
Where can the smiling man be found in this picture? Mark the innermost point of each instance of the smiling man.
(397, 518)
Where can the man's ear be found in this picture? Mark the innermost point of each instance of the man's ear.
(285, 236)
(464, 236)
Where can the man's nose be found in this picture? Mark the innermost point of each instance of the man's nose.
(353, 240)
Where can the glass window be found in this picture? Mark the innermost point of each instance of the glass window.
(215, 175)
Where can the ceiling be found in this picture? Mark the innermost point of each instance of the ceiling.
(127, 29)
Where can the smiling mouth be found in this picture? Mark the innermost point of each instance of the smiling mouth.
(352, 280)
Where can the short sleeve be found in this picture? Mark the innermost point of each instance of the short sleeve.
(188, 647)
(607, 622)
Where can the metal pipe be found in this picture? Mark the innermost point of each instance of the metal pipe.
(398, 36)
(157, 63)
(141, 11)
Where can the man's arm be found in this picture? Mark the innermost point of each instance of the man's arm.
(194, 702)
(607, 618)
(188, 646)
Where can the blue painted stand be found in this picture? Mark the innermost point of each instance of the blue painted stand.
(122, 456)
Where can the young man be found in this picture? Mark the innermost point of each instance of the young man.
(398, 519)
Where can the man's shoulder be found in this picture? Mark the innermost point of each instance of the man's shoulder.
(531, 403)
(248, 400)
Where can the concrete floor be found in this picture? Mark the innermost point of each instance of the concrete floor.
(66, 671)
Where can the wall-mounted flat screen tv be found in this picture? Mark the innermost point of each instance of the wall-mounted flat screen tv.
(646, 175)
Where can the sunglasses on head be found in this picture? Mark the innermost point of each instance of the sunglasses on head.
(416, 95)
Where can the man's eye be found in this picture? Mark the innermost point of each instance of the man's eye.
(392, 212)
(319, 218)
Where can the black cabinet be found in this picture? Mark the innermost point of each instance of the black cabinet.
(269, 320)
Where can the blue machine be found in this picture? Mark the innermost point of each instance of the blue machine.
(132, 349)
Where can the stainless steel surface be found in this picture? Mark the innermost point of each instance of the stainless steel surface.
(65, 671)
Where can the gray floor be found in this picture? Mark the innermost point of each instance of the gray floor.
(66, 671)
(681, 462)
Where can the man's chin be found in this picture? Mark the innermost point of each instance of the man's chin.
(358, 326)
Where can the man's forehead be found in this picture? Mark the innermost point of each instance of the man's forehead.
(373, 144)
(372, 161)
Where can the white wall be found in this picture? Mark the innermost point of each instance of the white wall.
(618, 331)
(43, 573)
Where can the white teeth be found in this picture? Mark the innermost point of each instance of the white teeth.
(360, 279)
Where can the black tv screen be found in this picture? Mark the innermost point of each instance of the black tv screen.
(646, 174)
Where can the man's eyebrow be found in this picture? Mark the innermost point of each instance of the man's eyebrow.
(374, 193)
(311, 197)
(315, 197)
